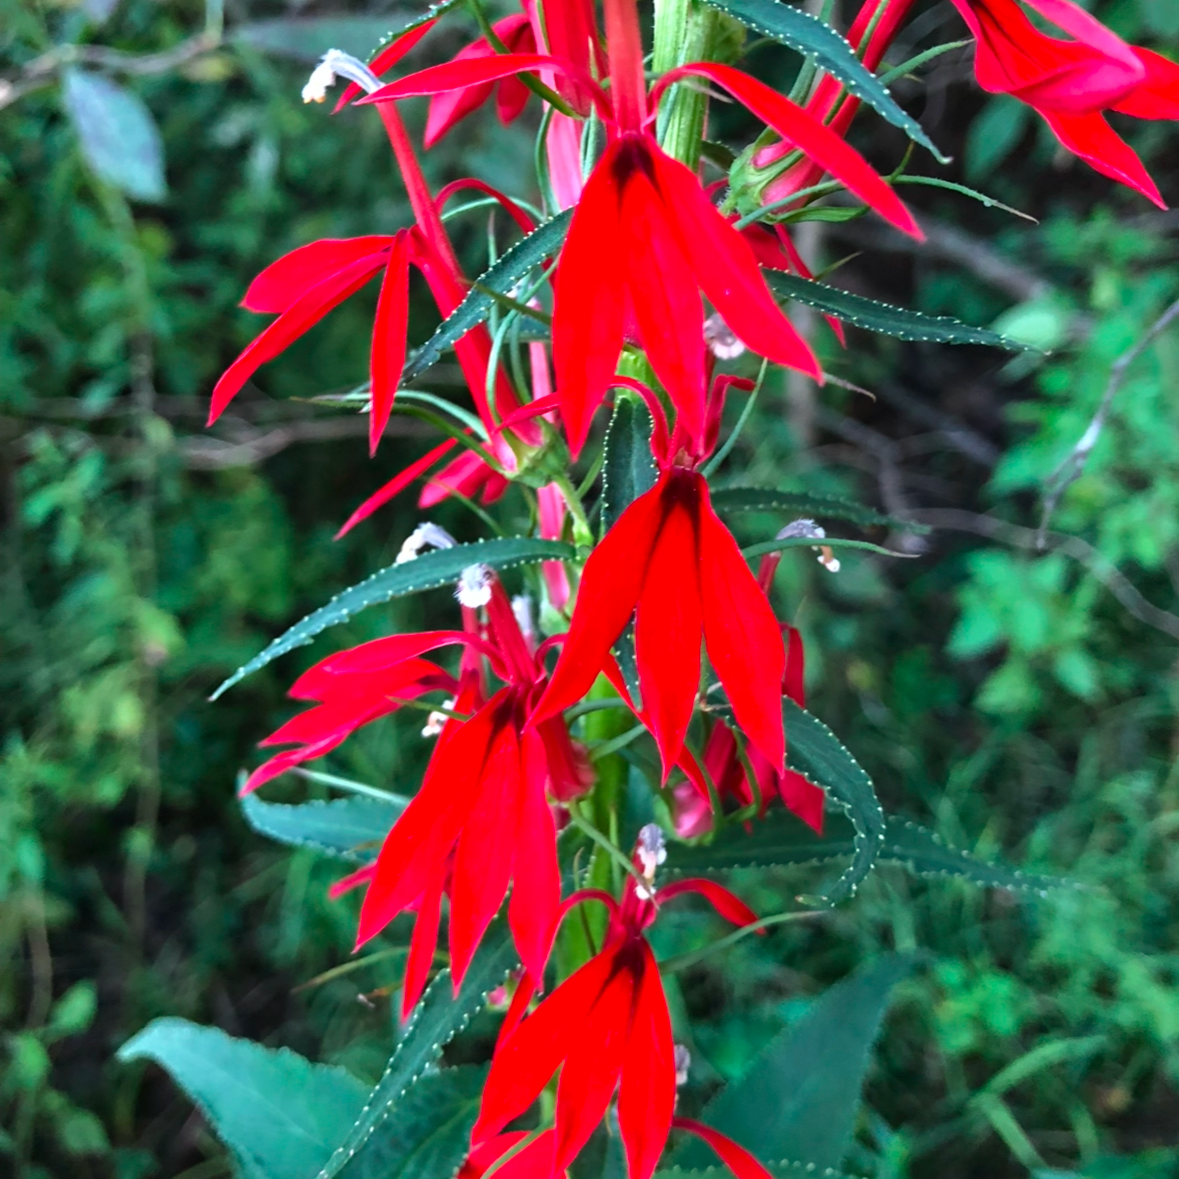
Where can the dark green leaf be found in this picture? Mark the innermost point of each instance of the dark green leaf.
(780, 1170)
(435, 1021)
(503, 277)
(815, 752)
(796, 504)
(810, 36)
(429, 1135)
(308, 38)
(831, 542)
(279, 1114)
(884, 318)
(351, 828)
(117, 134)
(781, 839)
(429, 571)
(798, 1099)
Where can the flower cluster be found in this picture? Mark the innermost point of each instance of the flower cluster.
(656, 285)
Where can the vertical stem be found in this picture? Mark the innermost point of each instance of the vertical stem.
(683, 33)
(628, 86)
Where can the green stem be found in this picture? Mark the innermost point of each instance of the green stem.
(683, 33)
(683, 961)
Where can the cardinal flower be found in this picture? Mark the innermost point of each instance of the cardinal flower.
(1072, 83)
(670, 562)
(481, 819)
(607, 1028)
(645, 240)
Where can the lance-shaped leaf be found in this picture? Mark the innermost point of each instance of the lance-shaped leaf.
(429, 571)
(798, 1099)
(350, 828)
(502, 278)
(280, 1115)
(795, 504)
(815, 752)
(780, 839)
(437, 1019)
(885, 318)
(808, 35)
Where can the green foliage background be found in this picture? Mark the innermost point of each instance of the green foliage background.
(1003, 696)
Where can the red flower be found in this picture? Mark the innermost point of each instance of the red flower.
(645, 240)
(1071, 83)
(671, 562)
(481, 818)
(606, 1027)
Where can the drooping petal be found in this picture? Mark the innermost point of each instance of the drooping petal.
(1158, 95)
(815, 140)
(610, 585)
(646, 1097)
(668, 625)
(305, 312)
(474, 71)
(794, 678)
(375, 655)
(286, 280)
(452, 106)
(387, 59)
(1096, 142)
(422, 945)
(389, 342)
(588, 309)
(729, 906)
(803, 798)
(467, 474)
(741, 633)
(535, 1161)
(736, 1158)
(395, 486)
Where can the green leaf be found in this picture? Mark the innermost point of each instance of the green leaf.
(430, 1135)
(351, 828)
(815, 752)
(429, 571)
(798, 1099)
(308, 38)
(117, 134)
(780, 1170)
(798, 504)
(810, 36)
(437, 1019)
(885, 318)
(627, 472)
(781, 839)
(279, 1114)
(501, 278)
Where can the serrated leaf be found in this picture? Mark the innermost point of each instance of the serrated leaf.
(430, 1136)
(351, 828)
(885, 318)
(780, 1170)
(798, 504)
(808, 35)
(117, 134)
(429, 571)
(780, 839)
(308, 38)
(816, 753)
(437, 1019)
(798, 1099)
(279, 1114)
(502, 278)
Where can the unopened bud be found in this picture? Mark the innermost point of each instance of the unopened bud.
(683, 1062)
(651, 850)
(424, 536)
(337, 64)
(474, 586)
(722, 341)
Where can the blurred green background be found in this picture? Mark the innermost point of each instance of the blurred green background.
(1022, 703)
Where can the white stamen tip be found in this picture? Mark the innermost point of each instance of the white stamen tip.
(802, 528)
(651, 850)
(722, 341)
(683, 1062)
(337, 64)
(424, 536)
(474, 586)
(436, 720)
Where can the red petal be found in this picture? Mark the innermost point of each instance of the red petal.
(668, 626)
(387, 59)
(1158, 96)
(736, 1158)
(450, 108)
(1096, 142)
(535, 1161)
(610, 586)
(422, 946)
(817, 141)
(304, 313)
(803, 798)
(742, 636)
(395, 486)
(730, 907)
(727, 271)
(794, 679)
(588, 304)
(646, 1097)
(389, 343)
(376, 655)
(286, 280)
(459, 74)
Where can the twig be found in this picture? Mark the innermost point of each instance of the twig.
(1073, 466)
(956, 520)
